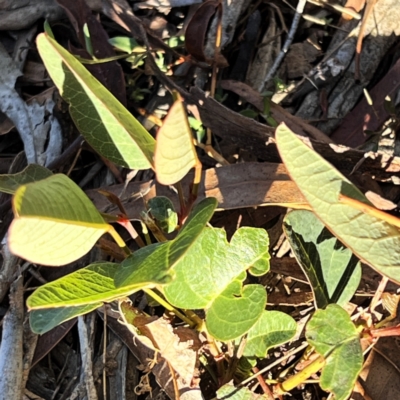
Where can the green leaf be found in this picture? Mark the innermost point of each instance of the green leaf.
(55, 222)
(162, 256)
(335, 337)
(372, 240)
(125, 44)
(104, 122)
(235, 310)
(271, 330)
(164, 213)
(210, 276)
(90, 285)
(175, 154)
(9, 183)
(42, 321)
(230, 392)
(333, 272)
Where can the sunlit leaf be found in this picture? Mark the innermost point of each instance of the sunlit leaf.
(333, 272)
(371, 239)
(175, 154)
(125, 44)
(335, 337)
(162, 256)
(90, 285)
(55, 222)
(42, 321)
(271, 330)
(235, 310)
(9, 183)
(211, 276)
(104, 122)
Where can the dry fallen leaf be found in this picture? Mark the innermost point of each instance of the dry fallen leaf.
(178, 347)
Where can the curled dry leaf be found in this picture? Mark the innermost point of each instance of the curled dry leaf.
(196, 33)
(177, 346)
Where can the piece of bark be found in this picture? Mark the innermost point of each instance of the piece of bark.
(246, 132)
(299, 58)
(268, 50)
(379, 376)
(145, 354)
(234, 186)
(8, 270)
(34, 122)
(336, 71)
(21, 14)
(30, 342)
(298, 125)
(246, 47)
(113, 348)
(253, 136)
(11, 363)
(49, 340)
(86, 345)
(366, 117)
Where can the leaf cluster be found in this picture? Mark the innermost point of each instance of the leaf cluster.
(55, 223)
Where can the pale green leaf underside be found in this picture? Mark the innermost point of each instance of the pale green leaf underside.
(333, 273)
(42, 321)
(104, 122)
(335, 337)
(9, 183)
(175, 154)
(162, 256)
(374, 241)
(272, 329)
(55, 222)
(51, 243)
(89, 285)
(212, 264)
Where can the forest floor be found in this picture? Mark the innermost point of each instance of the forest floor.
(329, 70)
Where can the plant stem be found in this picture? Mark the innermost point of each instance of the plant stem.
(300, 377)
(276, 362)
(145, 233)
(197, 179)
(132, 231)
(195, 318)
(181, 201)
(118, 239)
(204, 361)
(169, 307)
(267, 391)
(150, 223)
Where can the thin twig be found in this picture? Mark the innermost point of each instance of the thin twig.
(277, 362)
(288, 42)
(378, 293)
(368, 11)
